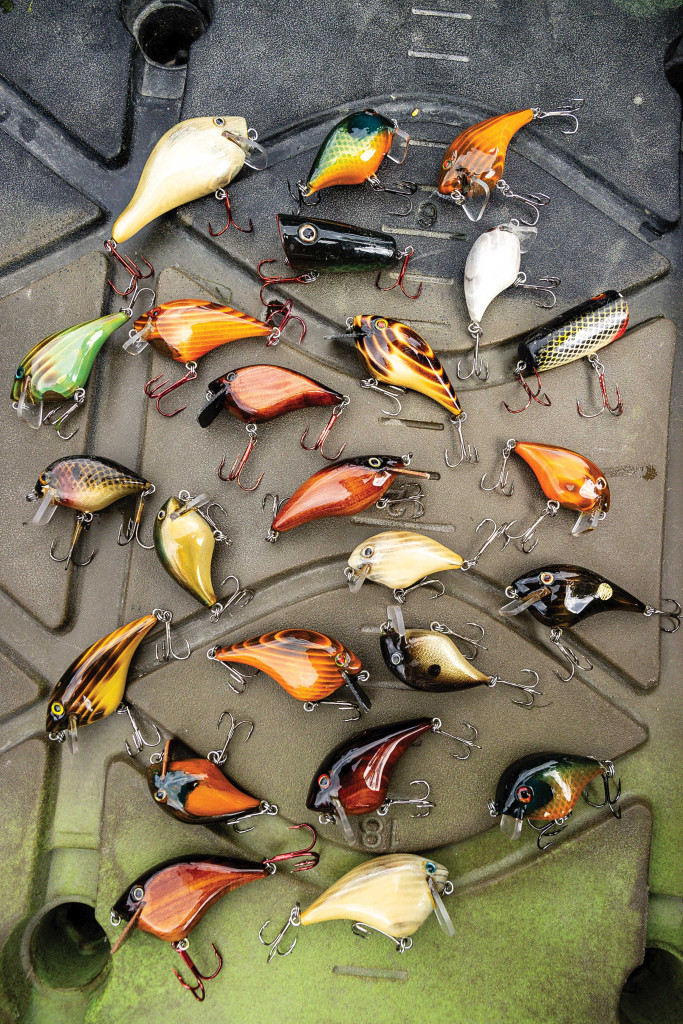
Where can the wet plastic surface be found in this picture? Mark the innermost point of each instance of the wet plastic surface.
(77, 829)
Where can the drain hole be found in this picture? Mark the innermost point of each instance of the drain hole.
(654, 992)
(68, 946)
(166, 30)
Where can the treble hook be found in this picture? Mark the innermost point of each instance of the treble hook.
(319, 444)
(240, 596)
(308, 277)
(219, 756)
(83, 521)
(198, 989)
(139, 740)
(302, 194)
(161, 390)
(533, 199)
(293, 921)
(363, 930)
(240, 462)
(131, 268)
(547, 287)
(401, 188)
(610, 801)
(306, 863)
(543, 400)
(498, 531)
(56, 423)
(401, 593)
(529, 688)
(398, 283)
(572, 657)
(551, 509)
(391, 391)
(567, 111)
(549, 829)
(284, 310)
(675, 616)
(164, 651)
(479, 368)
(501, 482)
(468, 452)
(398, 503)
(468, 744)
(616, 410)
(423, 804)
(343, 705)
(132, 531)
(441, 627)
(221, 194)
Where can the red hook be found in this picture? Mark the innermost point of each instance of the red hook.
(305, 278)
(131, 268)
(196, 990)
(319, 444)
(161, 390)
(240, 462)
(284, 310)
(543, 400)
(308, 862)
(401, 277)
(222, 194)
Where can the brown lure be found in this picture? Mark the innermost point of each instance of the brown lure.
(186, 329)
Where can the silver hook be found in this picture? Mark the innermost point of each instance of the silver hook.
(616, 410)
(78, 400)
(422, 804)
(498, 531)
(235, 675)
(138, 739)
(293, 921)
(219, 756)
(675, 615)
(501, 482)
(397, 503)
(363, 930)
(83, 521)
(392, 391)
(479, 368)
(401, 593)
(468, 744)
(529, 688)
(567, 111)
(610, 801)
(468, 452)
(441, 627)
(132, 531)
(533, 199)
(526, 538)
(572, 657)
(240, 596)
(164, 651)
(546, 285)
(343, 705)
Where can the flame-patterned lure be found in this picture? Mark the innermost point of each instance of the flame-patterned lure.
(257, 394)
(344, 489)
(581, 331)
(171, 899)
(88, 485)
(354, 778)
(392, 895)
(567, 479)
(543, 789)
(308, 665)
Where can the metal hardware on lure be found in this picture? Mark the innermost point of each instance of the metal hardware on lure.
(139, 741)
(308, 665)
(92, 686)
(223, 197)
(473, 163)
(185, 537)
(342, 489)
(260, 393)
(427, 659)
(392, 895)
(353, 779)
(615, 410)
(567, 479)
(582, 331)
(169, 900)
(543, 789)
(87, 485)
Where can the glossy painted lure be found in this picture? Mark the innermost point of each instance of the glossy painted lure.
(308, 665)
(88, 485)
(171, 899)
(257, 394)
(392, 895)
(543, 789)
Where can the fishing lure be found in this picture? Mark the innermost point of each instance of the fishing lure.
(427, 659)
(392, 895)
(581, 331)
(344, 489)
(88, 485)
(352, 152)
(493, 266)
(395, 354)
(473, 163)
(257, 394)
(561, 596)
(354, 777)
(567, 479)
(185, 538)
(543, 789)
(191, 160)
(92, 686)
(171, 899)
(308, 665)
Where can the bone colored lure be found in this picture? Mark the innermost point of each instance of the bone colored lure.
(398, 558)
(492, 266)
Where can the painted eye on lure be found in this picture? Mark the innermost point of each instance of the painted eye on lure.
(354, 778)
(88, 485)
(305, 663)
(171, 899)
(260, 393)
(185, 538)
(567, 479)
(581, 331)
(345, 489)
(392, 895)
(400, 560)
(543, 789)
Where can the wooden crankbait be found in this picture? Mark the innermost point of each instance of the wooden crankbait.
(88, 485)
(354, 777)
(561, 596)
(395, 354)
(171, 899)
(344, 489)
(473, 163)
(352, 152)
(543, 789)
(93, 685)
(190, 160)
(567, 479)
(581, 331)
(185, 538)
(257, 394)
(428, 659)
(308, 665)
(392, 895)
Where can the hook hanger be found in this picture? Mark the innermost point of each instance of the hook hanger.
(219, 756)
(391, 391)
(468, 452)
(320, 443)
(197, 990)
(164, 651)
(615, 410)
(502, 482)
(240, 462)
(130, 267)
(468, 744)
(566, 111)
(159, 391)
(441, 627)
(478, 368)
(293, 921)
(132, 531)
(542, 400)
(675, 615)
(222, 195)
(547, 284)
(400, 281)
(496, 533)
(534, 199)
(572, 657)
(83, 521)
(551, 509)
(139, 740)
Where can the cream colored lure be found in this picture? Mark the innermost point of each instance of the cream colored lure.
(492, 266)
(193, 159)
(397, 559)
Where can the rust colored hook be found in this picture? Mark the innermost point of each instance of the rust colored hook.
(406, 254)
(308, 862)
(196, 990)
(284, 310)
(617, 409)
(222, 194)
(543, 400)
(241, 461)
(131, 268)
(159, 391)
(324, 434)
(306, 278)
